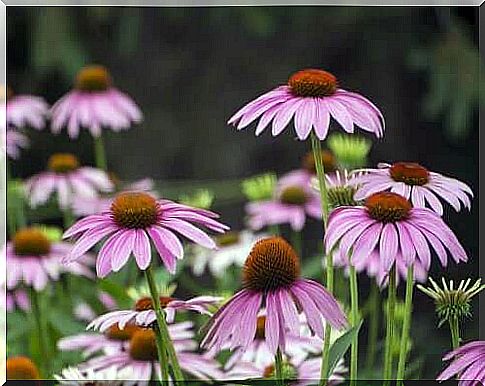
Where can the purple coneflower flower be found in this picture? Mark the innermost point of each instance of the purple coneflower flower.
(33, 260)
(21, 368)
(26, 111)
(14, 142)
(94, 104)
(416, 183)
(83, 311)
(143, 313)
(16, 298)
(389, 226)
(66, 177)
(468, 363)
(311, 97)
(271, 275)
(132, 220)
(293, 201)
(72, 376)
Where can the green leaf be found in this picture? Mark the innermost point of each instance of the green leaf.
(340, 347)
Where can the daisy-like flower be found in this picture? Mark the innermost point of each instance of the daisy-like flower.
(311, 96)
(341, 187)
(94, 104)
(388, 226)
(232, 249)
(140, 361)
(416, 183)
(73, 376)
(468, 364)
(271, 275)
(26, 111)
(33, 260)
(68, 179)
(16, 298)
(134, 219)
(293, 201)
(21, 368)
(15, 141)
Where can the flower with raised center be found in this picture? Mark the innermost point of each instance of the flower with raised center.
(311, 97)
(33, 260)
(24, 111)
(341, 188)
(68, 179)
(14, 142)
(271, 275)
(134, 219)
(468, 364)
(389, 227)
(413, 181)
(94, 104)
(21, 368)
(293, 200)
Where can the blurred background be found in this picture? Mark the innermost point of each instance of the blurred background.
(190, 69)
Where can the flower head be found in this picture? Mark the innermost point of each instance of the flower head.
(311, 96)
(26, 111)
(21, 368)
(328, 160)
(413, 181)
(259, 188)
(134, 219)
(350, 150)
(15, 141)
(341, 188)
(66, 177)
(468, 364)
(388, 228)
(201, 198)
(73, 376)
(94, 104)
(16, 298)
(271, 275)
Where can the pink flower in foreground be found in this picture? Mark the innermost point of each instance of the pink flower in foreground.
(387, 225)
(94, 104)
(14, 142)
(134, 219)
(26, 111)
(468, 364)
(416, 183)
(294, 200)
(68, 179)
(312, 97)
(271, 276)
(33, 260)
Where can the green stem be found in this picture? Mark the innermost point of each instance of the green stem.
(100, 153)
(274, 230)
(41, 332)
(164, 338)
(455, 332)
(374, 304)
(391, 304)
(279, 368)
(296, 241)
(354, 304)
(406, 324)
(67, 217)
(317, 155)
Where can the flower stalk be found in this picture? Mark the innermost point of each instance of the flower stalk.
(391, 304)
(408, 310)
(100, 153)
(279, 368)
(455, 332)
(354, 304)
(41, 333)
(373, 310)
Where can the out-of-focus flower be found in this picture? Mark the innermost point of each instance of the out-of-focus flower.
(68, 179)
(33, 260)
(415, 183)
(350, 150)
(328, 160)
(15, 141)
(259, 188)
(72, 376)
(388, 226)
(21, 368)
(453, 302)
(341, 188)
(94, 104)
(232, 249)
(293, 200)
(16, 298)
(468, 364)
(26, 111)
(201, 198)
(132, 220)
(84, 311)
(271, 274)
(311, 96)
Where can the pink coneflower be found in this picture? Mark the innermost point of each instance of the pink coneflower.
(389, 226)
(68, 179)
(16, 298)
(132, 220)
(72, 376)
(94, 104)
(293, 201)
(468, 363)
(15, 141)
(414, 182)
(140, 361)
(84, 311)
(33, 260)
(311, 97)
(26, 111)
(271, 275)
(143, 313)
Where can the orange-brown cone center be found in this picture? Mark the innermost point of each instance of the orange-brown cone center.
(271, 264)
(115, 333)
(293, 195)
(143, 346)
(21, 368)
(388, 207)
(312, 83)
(93, 78)
(410, 173)
(328, 160)
(62, 162)
(31, 242)
(146, 303)
(134, 210)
